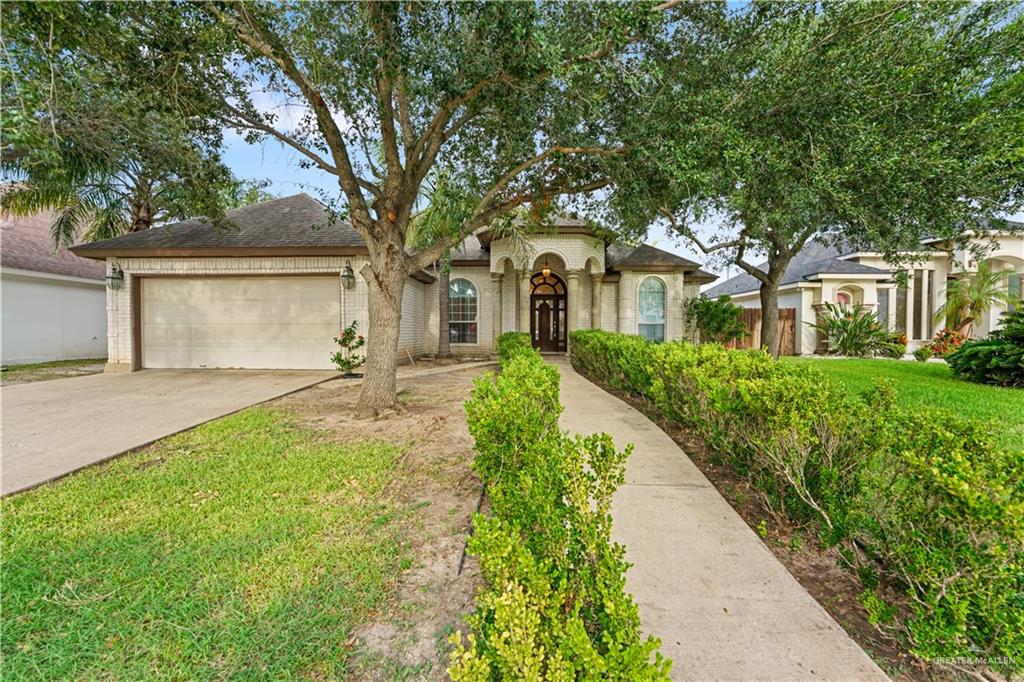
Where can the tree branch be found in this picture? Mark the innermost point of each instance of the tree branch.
(261, 41)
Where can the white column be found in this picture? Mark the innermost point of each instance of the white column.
(910, 305)
(926, 322)
(496, 306)
(891, 322)
(524, 302)
(595, 301)
(572, 314)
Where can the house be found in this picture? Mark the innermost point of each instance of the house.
(53, 302)
(824, 272)
(273, 292)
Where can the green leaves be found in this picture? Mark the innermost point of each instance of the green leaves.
(554, 604)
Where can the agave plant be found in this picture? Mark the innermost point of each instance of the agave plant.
(853, 331)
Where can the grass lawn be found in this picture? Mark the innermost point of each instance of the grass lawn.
(933, 384)
(33, 366)
(249, 547)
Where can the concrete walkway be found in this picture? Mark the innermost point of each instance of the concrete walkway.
(721, 603)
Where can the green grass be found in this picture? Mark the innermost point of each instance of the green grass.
(932, 384)
(244, 549)
(15, 369)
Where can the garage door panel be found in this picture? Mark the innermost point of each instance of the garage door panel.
(246, 322)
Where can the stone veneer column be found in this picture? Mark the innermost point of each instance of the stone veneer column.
(496, 303)
(572, 314)
(524, 302)
(595, 301)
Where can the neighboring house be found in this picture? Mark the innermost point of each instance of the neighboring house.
(825, 273)
(53, 303)
(272, 293)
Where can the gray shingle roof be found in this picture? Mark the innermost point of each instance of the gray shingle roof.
(27, 245)
(294, 222)
(816, 258)
(620, 257)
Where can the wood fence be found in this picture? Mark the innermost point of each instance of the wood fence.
(787, 328)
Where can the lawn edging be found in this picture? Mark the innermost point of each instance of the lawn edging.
(554, 603)
(922, 498)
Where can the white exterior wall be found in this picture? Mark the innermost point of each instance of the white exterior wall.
(51, 317)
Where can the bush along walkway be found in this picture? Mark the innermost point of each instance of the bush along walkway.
(553, 605)
(722, 604)
(923, 502)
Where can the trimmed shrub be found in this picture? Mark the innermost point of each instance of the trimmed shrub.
(924, 353)
(997, 360)
(554, 603)
(511, 343)
(926, 493)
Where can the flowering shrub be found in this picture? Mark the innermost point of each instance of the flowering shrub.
(925, 492)
(924, 353)
(896, 346)
(346, 359)
(946, 341)
(554, 604)
(851, 331)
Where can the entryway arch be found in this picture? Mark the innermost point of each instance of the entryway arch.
(548, 312)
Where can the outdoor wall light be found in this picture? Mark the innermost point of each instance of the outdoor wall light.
(546, 270)
(116, 277)
(348, 277)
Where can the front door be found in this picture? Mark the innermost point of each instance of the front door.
(548, 313)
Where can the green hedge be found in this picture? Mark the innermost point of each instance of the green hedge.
(938, 507)
(554, 604)
(511, 343)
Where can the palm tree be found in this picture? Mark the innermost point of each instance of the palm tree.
(969, 296)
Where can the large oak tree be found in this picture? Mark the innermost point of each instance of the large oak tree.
(869, 124)
(515, 101)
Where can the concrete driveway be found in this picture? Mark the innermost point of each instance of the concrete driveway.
(52, 428)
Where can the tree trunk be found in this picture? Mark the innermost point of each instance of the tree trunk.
(444, 342)
(770, 318)
(386, 285)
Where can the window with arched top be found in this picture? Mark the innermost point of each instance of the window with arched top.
(462, 311)
(650, 309)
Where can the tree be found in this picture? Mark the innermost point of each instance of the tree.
(509, 98)
(869, 124)
(75, 144)
(973, 293)
(716, 320)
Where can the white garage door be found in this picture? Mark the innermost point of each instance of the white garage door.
(249, 322)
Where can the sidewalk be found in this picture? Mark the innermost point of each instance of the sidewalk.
(722, 604)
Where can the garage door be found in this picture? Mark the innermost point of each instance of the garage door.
(248, 322)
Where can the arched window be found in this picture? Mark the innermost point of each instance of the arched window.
(462, 311)
(651, 309)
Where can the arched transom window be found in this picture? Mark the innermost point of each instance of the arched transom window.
(462, 311)
(651, 309)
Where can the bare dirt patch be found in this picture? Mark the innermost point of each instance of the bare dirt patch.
(407, 640)
(819, 570)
